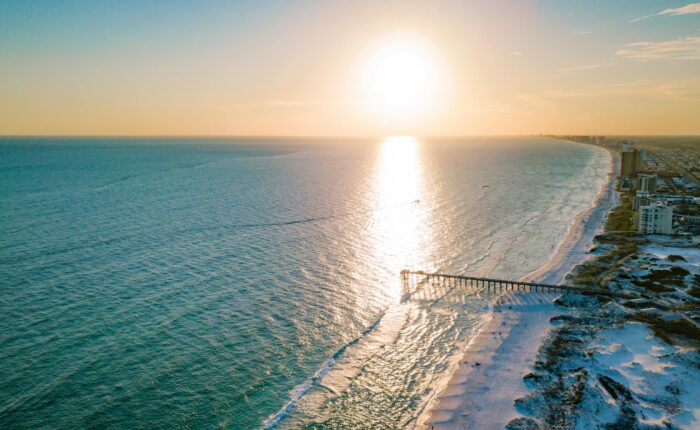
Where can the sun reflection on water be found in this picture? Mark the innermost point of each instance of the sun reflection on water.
(401, 235)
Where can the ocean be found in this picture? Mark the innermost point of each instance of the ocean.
(214, 283)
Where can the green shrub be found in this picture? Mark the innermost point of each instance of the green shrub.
(668, 330)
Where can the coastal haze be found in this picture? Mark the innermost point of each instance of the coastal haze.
(134, 301)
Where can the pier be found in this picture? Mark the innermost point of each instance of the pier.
(413, 281)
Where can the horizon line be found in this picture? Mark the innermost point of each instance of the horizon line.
(348, 137)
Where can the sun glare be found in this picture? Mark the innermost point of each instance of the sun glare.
(399, 230)
(401, 79)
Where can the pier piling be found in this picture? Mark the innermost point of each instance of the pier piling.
(413, 281)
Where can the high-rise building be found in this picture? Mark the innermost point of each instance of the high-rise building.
(631, 161)
(641, 199)
(656, 218)
(646, 183)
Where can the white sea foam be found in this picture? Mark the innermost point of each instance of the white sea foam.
(296, 394)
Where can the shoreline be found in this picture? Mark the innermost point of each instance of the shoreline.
(573, 249)
(481, 390)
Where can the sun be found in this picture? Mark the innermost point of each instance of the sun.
(401, 78)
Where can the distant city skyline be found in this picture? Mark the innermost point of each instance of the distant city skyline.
(349, 68)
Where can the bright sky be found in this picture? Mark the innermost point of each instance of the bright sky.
(356, 67)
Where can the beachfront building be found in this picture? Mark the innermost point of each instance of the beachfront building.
(641, 199)
(646, 183)
(625, 184)
(656, 218)
(631, 161)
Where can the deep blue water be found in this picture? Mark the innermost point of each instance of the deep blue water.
(206, 283)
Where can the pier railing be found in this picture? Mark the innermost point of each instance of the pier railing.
(413, 280)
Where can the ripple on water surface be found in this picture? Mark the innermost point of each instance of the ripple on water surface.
(209, 283)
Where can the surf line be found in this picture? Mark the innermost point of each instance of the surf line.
(300, 390)
(317, 219)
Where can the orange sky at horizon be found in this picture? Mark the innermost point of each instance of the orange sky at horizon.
(363, 69)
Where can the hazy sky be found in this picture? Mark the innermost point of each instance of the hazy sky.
(300, 67)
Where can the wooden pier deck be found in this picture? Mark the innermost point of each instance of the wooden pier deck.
(411, 280)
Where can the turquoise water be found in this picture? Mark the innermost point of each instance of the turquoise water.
(214, 283)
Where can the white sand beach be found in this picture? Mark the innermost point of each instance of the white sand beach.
(480, 393)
